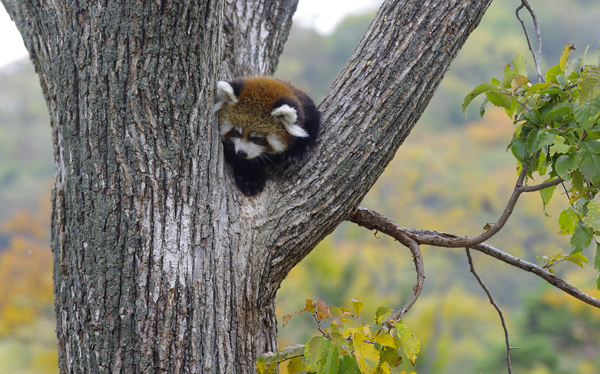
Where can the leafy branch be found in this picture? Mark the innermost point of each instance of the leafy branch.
(556, 136)
(364, 349)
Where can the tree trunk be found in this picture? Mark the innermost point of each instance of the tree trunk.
(161, 264)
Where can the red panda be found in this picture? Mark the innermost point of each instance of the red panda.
(264, 122)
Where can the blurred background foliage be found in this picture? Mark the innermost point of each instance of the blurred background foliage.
(450, 175)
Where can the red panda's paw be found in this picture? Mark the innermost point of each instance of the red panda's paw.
(295, 156)
(250, 186)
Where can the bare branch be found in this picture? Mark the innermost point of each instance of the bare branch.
(493, 302)
(512, 202)
(536, 58)
(375, 221)
(541, 186)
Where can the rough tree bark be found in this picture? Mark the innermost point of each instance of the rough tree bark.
(161, 264)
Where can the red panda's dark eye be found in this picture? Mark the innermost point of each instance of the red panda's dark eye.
(256, 139)
(235, 133)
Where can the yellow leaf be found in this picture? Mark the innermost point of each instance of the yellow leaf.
(385, 368)
(385, 340)
(367, 356)
(564, 59)
(410, 344)
(518, 82)
(357, 306)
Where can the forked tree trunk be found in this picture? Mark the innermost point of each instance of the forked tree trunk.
(161, 264)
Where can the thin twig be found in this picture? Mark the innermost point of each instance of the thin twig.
(493, 302)
(536, 58)
(376, 221)
(365, 220)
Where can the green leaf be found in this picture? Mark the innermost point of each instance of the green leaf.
(589, 84)
(582, 238)
(381, 312)
(559, 146)
(553, 72)
(267, 363)
(536, 87)
(545, 138)
(509, 75)
(588, 160)
(290, 351)
(391, 356)
(367, 356)
(577, 258)
(534, 117)
(556, 111)
(592, 218)
(519, 149)
(348, 365)
(579, 63)
(562, 80)
(597, 258)
(499, 99)
(577, 180)
(587, 114)
(482, 107)
(329, 359)
(536, 140)
(547, 195)
(312, 350)
(567, 221)
(519, 63)
(532, 142)
(339, 340)
(484, 87)
(554, 91)
(410, 344)
(296, 366)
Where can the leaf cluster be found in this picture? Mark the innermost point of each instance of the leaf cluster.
(556, 135)
(365, 349)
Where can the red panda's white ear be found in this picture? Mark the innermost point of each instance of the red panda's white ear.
(226, 95)
(288, 116)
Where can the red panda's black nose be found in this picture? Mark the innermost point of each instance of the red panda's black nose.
(242, 154)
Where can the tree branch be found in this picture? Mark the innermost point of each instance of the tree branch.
(379, 94)
(512, 202)
(536, 58)
(441, 239)
(253, 42)
(390, 228)
(493, 302)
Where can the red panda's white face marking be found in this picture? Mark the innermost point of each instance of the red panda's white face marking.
(224, 128)
(276, 143)
(247, 149)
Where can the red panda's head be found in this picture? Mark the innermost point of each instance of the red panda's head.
(259, 116)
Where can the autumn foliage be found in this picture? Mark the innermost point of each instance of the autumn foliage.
(26, 299)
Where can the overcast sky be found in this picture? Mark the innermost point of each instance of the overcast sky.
(321, 14)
